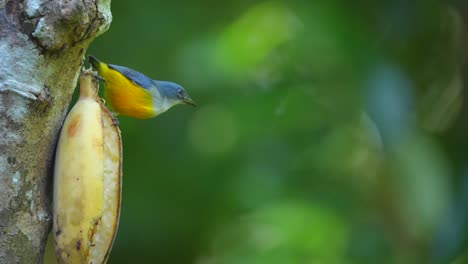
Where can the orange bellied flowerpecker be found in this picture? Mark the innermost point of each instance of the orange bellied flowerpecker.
(132, 93)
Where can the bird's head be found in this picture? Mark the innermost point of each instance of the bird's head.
(172, 94)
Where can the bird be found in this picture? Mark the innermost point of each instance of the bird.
(131, 93)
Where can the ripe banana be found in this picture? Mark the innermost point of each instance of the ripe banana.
(87, 180)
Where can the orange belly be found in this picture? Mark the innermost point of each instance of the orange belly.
(126, 98)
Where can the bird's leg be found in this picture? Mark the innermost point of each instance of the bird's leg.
(96, 75)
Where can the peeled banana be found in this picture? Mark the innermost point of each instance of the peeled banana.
(87, 180)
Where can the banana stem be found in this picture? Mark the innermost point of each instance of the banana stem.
(88, 84)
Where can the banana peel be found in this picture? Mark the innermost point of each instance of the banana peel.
(87, 180)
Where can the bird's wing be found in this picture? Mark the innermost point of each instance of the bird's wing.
(134, 76)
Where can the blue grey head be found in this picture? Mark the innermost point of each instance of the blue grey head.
(172, 94)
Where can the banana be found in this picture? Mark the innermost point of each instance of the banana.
(87, 180)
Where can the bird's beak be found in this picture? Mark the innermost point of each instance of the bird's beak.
(189, 101)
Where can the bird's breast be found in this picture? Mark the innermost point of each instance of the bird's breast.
(126, 97)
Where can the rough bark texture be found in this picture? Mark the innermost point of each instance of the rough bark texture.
(42, 44)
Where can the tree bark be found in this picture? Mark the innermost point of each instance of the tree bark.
(42, 44)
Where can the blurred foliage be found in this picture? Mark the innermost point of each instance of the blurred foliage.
(327, 132)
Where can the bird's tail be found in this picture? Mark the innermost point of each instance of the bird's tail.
(93, 60)
(98, 65)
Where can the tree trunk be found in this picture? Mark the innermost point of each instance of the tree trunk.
(42, 44)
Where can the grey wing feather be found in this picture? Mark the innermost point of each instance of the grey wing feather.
(134, 76)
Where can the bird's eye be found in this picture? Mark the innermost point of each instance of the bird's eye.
(180, 93)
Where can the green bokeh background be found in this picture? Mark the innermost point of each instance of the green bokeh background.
(327, 132)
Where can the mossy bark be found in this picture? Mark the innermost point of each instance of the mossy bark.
(42, 46)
